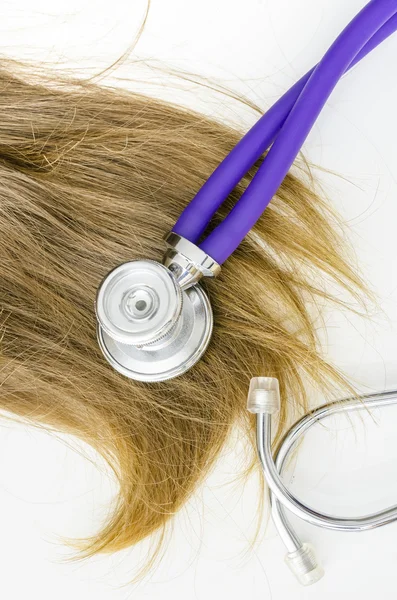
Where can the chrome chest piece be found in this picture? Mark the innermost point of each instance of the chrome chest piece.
(154, 320)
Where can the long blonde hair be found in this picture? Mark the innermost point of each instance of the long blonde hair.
(92, 177)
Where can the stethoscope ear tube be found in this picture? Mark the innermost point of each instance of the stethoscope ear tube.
(301, 557)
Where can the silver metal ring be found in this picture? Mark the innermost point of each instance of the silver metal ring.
(187, 261)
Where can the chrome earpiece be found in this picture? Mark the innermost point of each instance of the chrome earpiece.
(154, 320)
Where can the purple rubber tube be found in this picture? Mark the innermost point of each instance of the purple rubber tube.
(228, 235)
(196, 216)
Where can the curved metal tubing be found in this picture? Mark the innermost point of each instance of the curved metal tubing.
(282, 498)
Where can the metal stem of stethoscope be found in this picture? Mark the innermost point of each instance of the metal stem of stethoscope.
(300, 557)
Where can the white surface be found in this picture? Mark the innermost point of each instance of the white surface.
(258, 47)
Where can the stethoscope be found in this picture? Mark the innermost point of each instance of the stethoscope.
(155, 320)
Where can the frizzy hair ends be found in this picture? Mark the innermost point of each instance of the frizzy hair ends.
(91, 177)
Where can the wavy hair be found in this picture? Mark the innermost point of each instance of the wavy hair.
(91, 177)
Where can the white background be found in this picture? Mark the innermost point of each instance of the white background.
(48, 490)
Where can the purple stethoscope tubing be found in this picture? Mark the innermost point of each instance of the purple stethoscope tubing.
(288, 122)
(196, 216)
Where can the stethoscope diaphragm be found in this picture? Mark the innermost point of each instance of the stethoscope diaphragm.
(149, 328)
